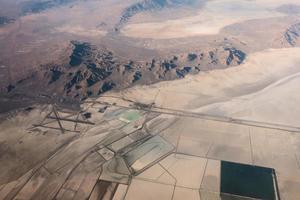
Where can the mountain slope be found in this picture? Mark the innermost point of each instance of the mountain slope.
(150, 5)
(292, 34)
(91, 70)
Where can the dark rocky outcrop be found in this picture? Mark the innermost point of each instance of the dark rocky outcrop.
(97, 74)
(129, 66)
(77, 78)
(10, 87)
(235, 54)
(93, 70)
(80, 51)
(213, 57)
(152, 65)
(292, 34)
(192, 56)
(95, 65)
(107, 86)
(167, 65)
(137, 76)
(87, 115)
(55, 74)
(182, 72)
(37, 6)
(5, 20)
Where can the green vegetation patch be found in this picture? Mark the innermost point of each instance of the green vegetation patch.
(130, 116)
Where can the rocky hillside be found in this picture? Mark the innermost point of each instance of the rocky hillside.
(150, 5)
(91, 70)
(292, 34)
(36, 6)
(5, 20)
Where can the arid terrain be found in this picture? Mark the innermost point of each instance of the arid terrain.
(149, 99)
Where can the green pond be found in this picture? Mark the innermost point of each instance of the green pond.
(247, 181)
(131, 115)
